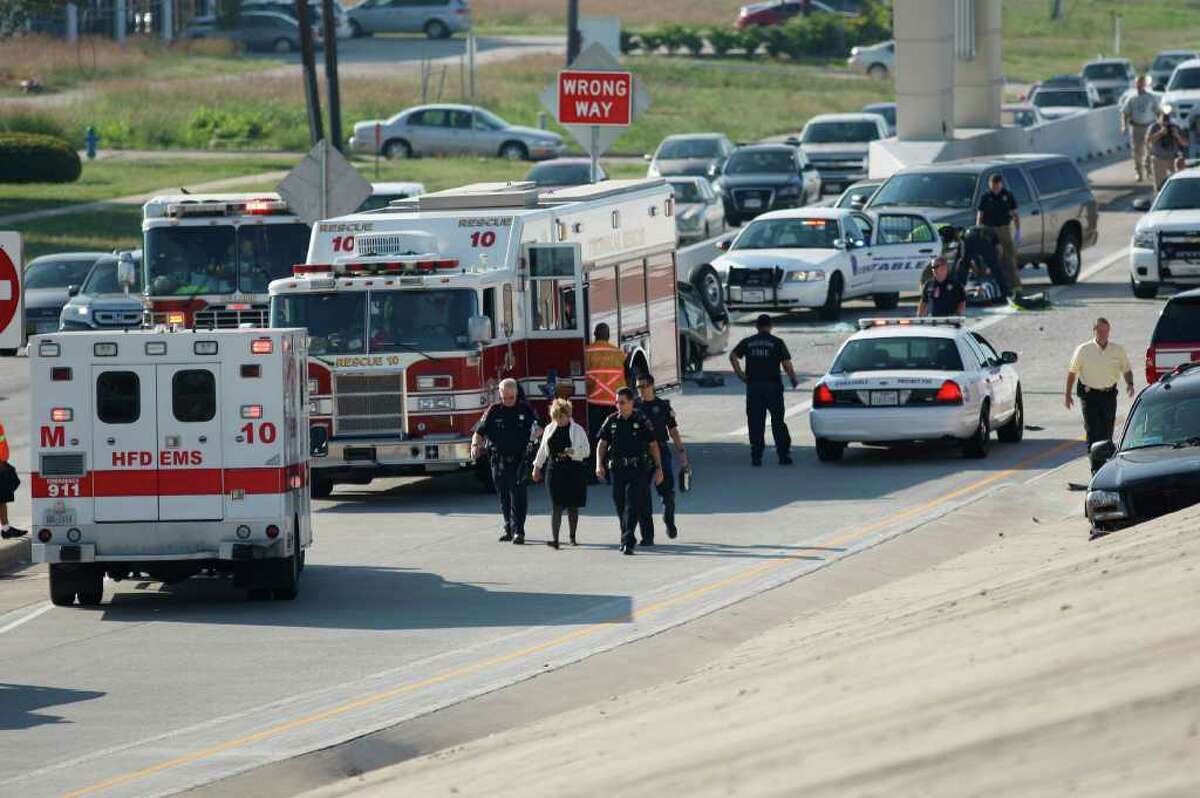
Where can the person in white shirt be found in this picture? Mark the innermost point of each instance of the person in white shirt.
(563, 453)
(1138, 112)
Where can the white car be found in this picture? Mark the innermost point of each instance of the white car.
(1056, 103)
(699, 212)
(876, 60)
(818, 257)
(1183, 91)
(902, 380)
(1166, 241)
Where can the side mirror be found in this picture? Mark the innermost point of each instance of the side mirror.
(1100, 453)
(479, 329)
(318, 440)
(714, 169)
(72, 290)
(1141, 204)
(126, 272)
(724, 244)
(1008, 357)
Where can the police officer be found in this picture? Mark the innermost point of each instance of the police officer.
(661, 416)
(507, 428)
(942, 296)
(765, 354)
(626, 439)
(997, 210)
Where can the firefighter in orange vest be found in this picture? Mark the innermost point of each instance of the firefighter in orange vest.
(9, 482)
(604, 366)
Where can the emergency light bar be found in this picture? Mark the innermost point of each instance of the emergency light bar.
(389, 266)
(255, 207)
(918, 321)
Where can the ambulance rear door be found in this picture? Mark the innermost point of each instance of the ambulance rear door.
(190, 477)
(125, 443)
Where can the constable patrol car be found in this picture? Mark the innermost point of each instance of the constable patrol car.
(922, 379)
(817, 257)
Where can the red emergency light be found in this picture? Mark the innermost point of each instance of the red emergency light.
(62, 414)
(266, 207)
(262, 346)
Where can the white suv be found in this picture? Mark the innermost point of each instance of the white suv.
(1166, 241)
(1183, 91)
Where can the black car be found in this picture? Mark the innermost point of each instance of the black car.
(766, 177)
(1155, 469)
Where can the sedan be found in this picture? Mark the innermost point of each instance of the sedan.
(763, 177)
(876, 60)
(699, 213)
(690, 154)
(48, 283)
(1059, 103)
(453, 130)
(777, 12)
(1165, 63)
(565, 172)
(887, 111)
(925, 379)
(437, 19)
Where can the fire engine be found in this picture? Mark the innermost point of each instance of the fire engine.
(416, 311)
(168, 453)
(208, 258)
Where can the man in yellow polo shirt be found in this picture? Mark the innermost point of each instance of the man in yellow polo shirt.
(1095, 368)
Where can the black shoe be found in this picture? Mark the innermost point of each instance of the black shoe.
(518, 540)
(552, 544)
(13, 532)
(756, 462)
(647, 542)
(672, 532)
(506, 537)
(627, 549)
(785, 459)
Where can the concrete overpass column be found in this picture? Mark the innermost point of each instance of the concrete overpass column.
(924, 32)
(119, 24)
(979, 82)
(72, 23)
(168, 20)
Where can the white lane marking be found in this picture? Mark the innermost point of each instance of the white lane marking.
(995, 317)
(44, 608)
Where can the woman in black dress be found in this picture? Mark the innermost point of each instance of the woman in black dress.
(563, 452)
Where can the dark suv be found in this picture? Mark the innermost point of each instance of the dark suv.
(1156, 468)
(1056, 205)
(766, 177)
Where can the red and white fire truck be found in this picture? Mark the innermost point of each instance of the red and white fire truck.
(416, 311)
(208, 258)
(168, 453)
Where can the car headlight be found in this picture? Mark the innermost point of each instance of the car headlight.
(428, 403)
(1145, 239)
(320, 407)
(812, 276)
(82, 310)
(1105, 505)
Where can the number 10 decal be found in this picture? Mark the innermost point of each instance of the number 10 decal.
(266, 432)
(485, 238)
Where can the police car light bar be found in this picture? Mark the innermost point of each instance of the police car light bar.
(255, 207)
(266, 207)
(917, 321)
(388, 266)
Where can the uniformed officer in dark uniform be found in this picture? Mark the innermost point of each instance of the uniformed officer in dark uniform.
(507, 428)
(942, 295)
(666, 430)
(765, 355)
(626, 440)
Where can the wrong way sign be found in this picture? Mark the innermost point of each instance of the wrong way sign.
(587, 97)
(12, 322)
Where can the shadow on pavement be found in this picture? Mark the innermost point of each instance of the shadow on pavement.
(353, 597)
(19, 705)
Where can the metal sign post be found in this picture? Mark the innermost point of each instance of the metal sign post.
(12, 319)
(594, 150)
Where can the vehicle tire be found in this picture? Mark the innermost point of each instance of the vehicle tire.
(282, 45)
(1143, 290)
(321, 487)
(976, 446)
(62, 586)
(707, 283)
(1014, 429)
(877, 71)
(397, 149)
(832, 309)
(886, 301)
(356, 30)
(830, 451)
(436, 29)
(289, 570)
(1066, 262)
(514, 151)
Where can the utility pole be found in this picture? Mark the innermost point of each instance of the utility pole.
(572, 31)
(332, 92)
(316, 130)
(1056, 9)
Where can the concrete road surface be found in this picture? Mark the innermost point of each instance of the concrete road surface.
(409, 604)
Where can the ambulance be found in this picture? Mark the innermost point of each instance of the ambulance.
(208, 258)
(416, 311)
(163, 454)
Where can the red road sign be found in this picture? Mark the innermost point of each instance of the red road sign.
(10, 291)
(587, 97)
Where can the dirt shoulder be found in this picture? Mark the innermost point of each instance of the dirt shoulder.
(1036, 665)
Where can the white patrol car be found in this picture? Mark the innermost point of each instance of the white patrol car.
(917, 379)
(818, 257)
(1166, 241)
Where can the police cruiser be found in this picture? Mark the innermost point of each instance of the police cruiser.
(1166, 242)
(818, 257)
(923, 379)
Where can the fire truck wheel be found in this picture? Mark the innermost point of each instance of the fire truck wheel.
(321, 487)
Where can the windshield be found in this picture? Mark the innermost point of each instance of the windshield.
(930, 189)
(222, 259)
(1185, 79)
(1164, 418)
(679, 149)
(102, 279)
(839, 132)
(1180, 194)
(788, 234)
(488, 120)
(1104, 71)
(1058, 99)
(754, 162)
(335, 322)
(1165, 62)
(687, 191)
(406, 321)
(898, 354)
(56, 273)
(1179, 323)
(560, 174)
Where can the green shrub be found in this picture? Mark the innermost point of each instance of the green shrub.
(32, 122)
(872, 25)
(777, 40)
(692, 41)
(673, 37)
(629, 41)
(651, 40)
(722, 40)
(749, 40)
(36, 158)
